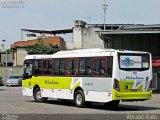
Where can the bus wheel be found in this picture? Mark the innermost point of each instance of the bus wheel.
(79, 99)
(38, 97)
(112, 104)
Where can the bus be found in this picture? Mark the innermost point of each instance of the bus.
(89, 75)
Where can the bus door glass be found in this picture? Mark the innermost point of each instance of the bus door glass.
(27, 69)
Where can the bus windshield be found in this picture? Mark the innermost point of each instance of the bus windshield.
(133, 61)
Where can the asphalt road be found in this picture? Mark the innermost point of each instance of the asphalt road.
(12, 102)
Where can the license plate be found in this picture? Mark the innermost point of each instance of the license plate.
(134, 90)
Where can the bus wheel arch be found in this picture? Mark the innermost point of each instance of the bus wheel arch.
(35, 87)
(37, 95)
(79, 97)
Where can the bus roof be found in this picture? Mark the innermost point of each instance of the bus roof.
(81, 53)
(38, 56)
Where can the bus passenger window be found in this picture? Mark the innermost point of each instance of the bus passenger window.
(96, 67)
(88, 67)
(61, 67)
(102, 67)
(37, 67)
(85, 67)
(56, 67)
(109, 66)
(50, 67)
(75, 67)
(71, 66)
(47, 67)
(99, 66)
(82, 66)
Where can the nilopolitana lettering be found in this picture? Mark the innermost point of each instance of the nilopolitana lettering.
(133, 78)
(51, 82)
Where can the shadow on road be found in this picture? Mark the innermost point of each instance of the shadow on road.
(156, 93)
(100, 106)
(135, 108)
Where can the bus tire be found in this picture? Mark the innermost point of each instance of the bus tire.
(112, 104)
(37, 96)
(79, 99)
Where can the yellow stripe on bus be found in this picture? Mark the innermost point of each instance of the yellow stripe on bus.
(49, 82)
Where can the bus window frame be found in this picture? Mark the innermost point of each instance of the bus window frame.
(86, 59)
(93, 65)
(48, 69)
(37, 60)
(60, 61)
(72, 68)
(62, 67)
(54, 66)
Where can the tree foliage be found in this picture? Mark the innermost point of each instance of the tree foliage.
(8, 51)
(40, 48)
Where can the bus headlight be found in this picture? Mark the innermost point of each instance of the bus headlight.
(116, 85)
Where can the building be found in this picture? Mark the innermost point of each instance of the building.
(6, 58)
(137, 37)
(20, 52)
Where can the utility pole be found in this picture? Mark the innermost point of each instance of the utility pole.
(21, 34)
(5, 50)
(104, 6)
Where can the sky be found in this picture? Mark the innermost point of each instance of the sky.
(60, 14)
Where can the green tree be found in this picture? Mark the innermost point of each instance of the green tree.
(40, 48)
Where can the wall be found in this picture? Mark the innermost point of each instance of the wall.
(9, 59)
(77, 37)
(69, 45)
(86, 38)
(19, 56)
(90, 39)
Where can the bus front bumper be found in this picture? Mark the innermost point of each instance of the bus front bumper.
(131, 96)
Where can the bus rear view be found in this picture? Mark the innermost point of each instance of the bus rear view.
(133, 77)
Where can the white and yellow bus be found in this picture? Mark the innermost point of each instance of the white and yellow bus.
(89, 75)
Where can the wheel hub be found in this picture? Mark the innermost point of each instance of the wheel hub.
(79, 99)
(38, 95)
